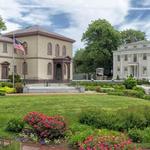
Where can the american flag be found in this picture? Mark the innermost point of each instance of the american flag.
(19, 45)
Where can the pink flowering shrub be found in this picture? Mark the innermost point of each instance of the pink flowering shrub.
(50, 127)
(107, 143)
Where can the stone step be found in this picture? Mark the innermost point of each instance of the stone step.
(53, 89)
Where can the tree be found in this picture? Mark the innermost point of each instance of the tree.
(131, 35)
(101, 39)
(2, 25)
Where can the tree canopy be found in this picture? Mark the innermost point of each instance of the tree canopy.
(131, 35)
(2, 25)
(101, 39)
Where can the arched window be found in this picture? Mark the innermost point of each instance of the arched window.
(49, 68)
(64, 51)
(24, 68)
(25, 45)
(49, 49)
(57, 50)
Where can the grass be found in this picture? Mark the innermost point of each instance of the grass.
(67, 105)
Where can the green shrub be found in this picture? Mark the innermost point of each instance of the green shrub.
(19, 87)
(7, 84)
(133, 93)
(130, 82)
(139, 89)
(118, 93)
(98, 118)
(17, 78)
(7, 90)
(120, 120)
(145, 135)
(147, 97)
(106, 90)
(15, 125)
(2, 93)
(135, 135)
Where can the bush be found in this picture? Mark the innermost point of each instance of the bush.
(19, 87)
(118, 93)
(15, 125)
(139, 89)
(135, 135)
(2, 93)
(107, 142)
(146, 97)
(6, 84)
(133, 93)
(46, 126)
(121, 120)
(7, 90)
(130, 82)
(17, 78)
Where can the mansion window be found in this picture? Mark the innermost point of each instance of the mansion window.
(65, 69)
(118, 69)
(4, 47)
(57, 50)
(134, 58)
(125, 69)
(144, 70)
(49, 49)
(118, 57)
(64, 51)
(126, 58)
(24, 68)
(144, 57)
(49, 68)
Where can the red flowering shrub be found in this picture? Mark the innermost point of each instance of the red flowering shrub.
(46, 126)
(107, 143)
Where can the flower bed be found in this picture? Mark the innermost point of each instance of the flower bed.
(46, 126)
(107, 143)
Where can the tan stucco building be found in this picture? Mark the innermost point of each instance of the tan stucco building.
(132, 59)
(48, 56)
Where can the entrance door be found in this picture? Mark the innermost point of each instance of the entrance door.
(5, 71)
(58, 72)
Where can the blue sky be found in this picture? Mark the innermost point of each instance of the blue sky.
(71, 18)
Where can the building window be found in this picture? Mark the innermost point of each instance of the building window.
(118, 57)
(64, 51)
(126, 58)
(49, 69)
(144, 45)
(118, 69)
(135, 46)
(15, 69)
(125, 47)
(125, 69)
(144, 70)
(144, 57)
(24, 68)
(134, 58)
(57, 50)
(49, 49)
(4, 47)
(25, 45)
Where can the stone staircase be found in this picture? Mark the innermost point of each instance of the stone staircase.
(55, 88)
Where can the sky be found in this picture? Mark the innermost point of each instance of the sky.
(71, 17)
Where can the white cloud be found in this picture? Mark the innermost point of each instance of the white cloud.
(82, 13)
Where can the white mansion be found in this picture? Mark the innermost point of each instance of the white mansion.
(132, 59)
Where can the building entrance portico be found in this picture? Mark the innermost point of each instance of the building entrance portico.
(133, 70)
(61, 72)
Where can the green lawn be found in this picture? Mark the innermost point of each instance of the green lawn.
(66, 105)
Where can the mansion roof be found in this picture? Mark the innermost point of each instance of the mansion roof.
(140, 45)
(37, 30)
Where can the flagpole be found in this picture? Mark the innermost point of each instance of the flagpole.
(13, 73)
